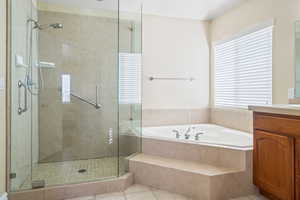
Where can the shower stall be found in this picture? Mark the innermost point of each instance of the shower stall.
(75, 90)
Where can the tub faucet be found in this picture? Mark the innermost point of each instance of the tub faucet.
(198, 135)
(187, 135)
(177, 133)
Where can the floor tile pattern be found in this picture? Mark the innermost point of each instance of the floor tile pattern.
(252, 197)
(140, 192)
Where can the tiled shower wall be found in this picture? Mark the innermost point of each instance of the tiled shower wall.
(87, 49)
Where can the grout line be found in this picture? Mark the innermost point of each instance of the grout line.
(124, 195)
(156, 197)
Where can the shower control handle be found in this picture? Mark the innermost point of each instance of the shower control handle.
(20, 109)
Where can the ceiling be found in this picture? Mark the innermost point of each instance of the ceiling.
(195, 9)
(192, 9)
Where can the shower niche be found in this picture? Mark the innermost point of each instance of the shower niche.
(79, 91)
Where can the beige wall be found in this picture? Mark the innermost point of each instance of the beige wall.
(175, 48)
(254, 12)
(249, 14)
(2, 95)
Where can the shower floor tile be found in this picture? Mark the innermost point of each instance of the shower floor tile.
(60, 173)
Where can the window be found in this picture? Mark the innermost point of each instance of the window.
(243, 70)
(129, 78)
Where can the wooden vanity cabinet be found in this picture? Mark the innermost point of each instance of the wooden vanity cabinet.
(273, 164)
(276, 155)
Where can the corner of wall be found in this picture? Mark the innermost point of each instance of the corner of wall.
(240, 119)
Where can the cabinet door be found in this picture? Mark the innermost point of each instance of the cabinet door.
(297, 166)
(297, 188)
(274, 164)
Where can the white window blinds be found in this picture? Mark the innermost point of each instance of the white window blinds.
(129, 78)
(243, 70)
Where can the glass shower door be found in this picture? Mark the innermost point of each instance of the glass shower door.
(67, 56)
(20, 99)
(75, 91)
(78, 103)
(130, 82)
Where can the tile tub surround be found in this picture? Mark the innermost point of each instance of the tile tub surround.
(164, 117)
(76, 190)
(195, 152)
(195, 180)
(197, 171)
(231, 118)
(240, 119)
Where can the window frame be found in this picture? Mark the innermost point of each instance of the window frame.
(245, 32)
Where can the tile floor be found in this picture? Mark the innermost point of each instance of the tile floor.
(252, 197)
(60, 173)
(140, 192)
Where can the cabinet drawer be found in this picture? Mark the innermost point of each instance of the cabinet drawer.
(277, 124)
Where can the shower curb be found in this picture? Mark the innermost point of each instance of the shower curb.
(76, 190)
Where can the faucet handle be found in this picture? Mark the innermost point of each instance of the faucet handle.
(177, 133)
(197, 135)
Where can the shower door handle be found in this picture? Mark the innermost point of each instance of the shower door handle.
(97, 104)
(25, 108)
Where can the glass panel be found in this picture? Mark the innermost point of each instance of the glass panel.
(78, 103)
(76, 83)
(130, 79)
(69, 133)
(21, 101)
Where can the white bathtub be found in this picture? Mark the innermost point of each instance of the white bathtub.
(210, 134)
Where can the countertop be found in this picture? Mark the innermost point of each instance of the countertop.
(284, 109)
